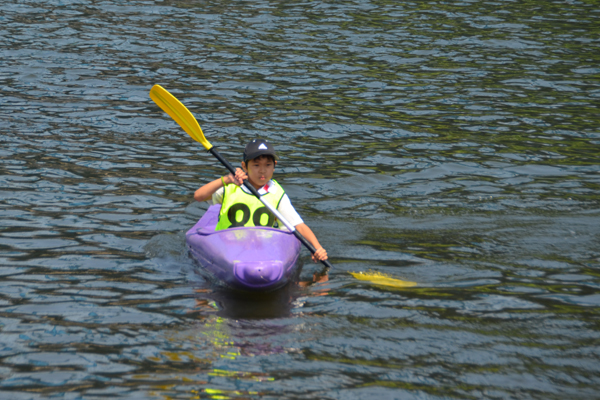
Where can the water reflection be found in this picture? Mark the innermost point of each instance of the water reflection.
(231, 328)
(241, 305)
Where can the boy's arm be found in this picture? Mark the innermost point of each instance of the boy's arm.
(321, 253)
(206, 191)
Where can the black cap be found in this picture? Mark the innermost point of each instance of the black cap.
(257, 148)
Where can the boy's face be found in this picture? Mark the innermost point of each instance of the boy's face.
(260, 170)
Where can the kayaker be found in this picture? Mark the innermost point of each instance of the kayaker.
(240, 208)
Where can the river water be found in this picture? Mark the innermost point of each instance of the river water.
(454, 144)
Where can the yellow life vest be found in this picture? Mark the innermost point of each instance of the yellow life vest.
(244, 209)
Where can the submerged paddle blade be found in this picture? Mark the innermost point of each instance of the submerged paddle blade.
(381, 279)
(179, 113)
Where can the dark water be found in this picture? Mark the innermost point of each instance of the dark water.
(455, 144)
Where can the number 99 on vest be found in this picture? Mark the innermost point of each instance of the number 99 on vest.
(239, 215)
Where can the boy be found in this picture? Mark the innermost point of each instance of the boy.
(258, 166)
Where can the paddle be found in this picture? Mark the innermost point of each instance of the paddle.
(186, 120)
(382, 279)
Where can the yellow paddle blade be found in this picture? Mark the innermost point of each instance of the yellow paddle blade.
(382, 279)
(179, 113)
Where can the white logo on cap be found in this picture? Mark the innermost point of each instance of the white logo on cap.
(262, 147)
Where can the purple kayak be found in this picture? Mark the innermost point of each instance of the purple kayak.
(244, 258)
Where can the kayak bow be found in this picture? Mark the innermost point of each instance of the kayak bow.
(246, 258)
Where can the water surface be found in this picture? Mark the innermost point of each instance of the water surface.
(452, 144)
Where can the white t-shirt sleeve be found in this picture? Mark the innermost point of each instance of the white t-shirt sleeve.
(217, 197)
(289, 212)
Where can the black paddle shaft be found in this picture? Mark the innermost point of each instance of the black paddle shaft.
(253, 190)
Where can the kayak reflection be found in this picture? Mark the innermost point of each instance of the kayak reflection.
(235, 304)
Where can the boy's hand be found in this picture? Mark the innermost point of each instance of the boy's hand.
(319, 255)
(238, 178)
